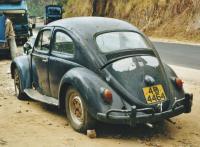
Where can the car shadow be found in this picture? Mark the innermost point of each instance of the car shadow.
(140, 131)
(53, 109)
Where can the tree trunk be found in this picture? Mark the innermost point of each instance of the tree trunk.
(99, 7)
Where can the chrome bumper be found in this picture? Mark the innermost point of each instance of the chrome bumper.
(136, 116)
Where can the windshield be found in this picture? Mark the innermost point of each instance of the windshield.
(54, 11)
(114, 41)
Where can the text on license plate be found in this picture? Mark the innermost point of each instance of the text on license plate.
(154, 94)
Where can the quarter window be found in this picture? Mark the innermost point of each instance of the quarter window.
(63, 43)
(43, 42)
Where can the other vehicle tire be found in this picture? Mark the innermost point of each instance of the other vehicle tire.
(18, 88)
(24, 40)
(76, 111)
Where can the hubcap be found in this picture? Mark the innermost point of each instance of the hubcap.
(17, 83)
(76, 108)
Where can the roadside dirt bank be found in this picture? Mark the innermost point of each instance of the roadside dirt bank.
(30, 123)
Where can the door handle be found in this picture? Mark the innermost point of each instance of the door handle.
(45, 60)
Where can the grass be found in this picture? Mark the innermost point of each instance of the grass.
(159, 18)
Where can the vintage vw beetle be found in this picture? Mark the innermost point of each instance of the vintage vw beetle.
(99, 69)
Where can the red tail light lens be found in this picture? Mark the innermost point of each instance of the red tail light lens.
(107, 96)
(179, 82)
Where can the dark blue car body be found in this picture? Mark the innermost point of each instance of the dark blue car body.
(89, 70)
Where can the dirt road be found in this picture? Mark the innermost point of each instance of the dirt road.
(30, 123)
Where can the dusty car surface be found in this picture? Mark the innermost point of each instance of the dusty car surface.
(99, 69)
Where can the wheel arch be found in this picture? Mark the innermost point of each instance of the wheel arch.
(63, 89)
(89, 86)
(23, 65)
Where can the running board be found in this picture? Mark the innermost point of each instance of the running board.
(34, 94)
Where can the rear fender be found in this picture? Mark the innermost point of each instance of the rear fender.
(178, 93)
(90, 86)
(170, 72)
(22, 63)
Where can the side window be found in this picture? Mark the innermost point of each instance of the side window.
(43, 42)
(63, 43)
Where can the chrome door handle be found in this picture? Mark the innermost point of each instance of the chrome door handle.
(45, 60)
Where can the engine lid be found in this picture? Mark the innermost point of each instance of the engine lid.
(142, 78)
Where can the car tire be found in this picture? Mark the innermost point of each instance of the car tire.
(24, 40)
(77, 112)
(18, 87)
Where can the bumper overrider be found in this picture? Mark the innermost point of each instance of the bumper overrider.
(137, 116)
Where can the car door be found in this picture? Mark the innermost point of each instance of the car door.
(62, 59)
(40, 61)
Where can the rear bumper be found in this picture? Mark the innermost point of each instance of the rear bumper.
(136, 116)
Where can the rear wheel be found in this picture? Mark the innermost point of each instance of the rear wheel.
(76, 111)
(18, 88)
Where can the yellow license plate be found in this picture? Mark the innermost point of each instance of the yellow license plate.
(154, 94)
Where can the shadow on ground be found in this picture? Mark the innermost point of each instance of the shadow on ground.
(141, 131)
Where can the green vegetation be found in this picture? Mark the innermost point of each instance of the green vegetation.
(37, 7)
(178, 19)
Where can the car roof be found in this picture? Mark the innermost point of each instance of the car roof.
(91, 25)
(86, 27)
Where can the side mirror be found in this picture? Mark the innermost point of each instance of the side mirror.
(27, 47)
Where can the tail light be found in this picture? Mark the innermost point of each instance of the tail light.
(179, 83)
(107, 95)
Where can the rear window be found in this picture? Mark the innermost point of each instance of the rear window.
(115, 41)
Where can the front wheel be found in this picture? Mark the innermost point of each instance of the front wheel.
(18, 87)
(76, 111)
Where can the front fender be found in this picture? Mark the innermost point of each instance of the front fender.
(22, 63)
(89, 85)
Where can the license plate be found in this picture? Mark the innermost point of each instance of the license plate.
(154, 94)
